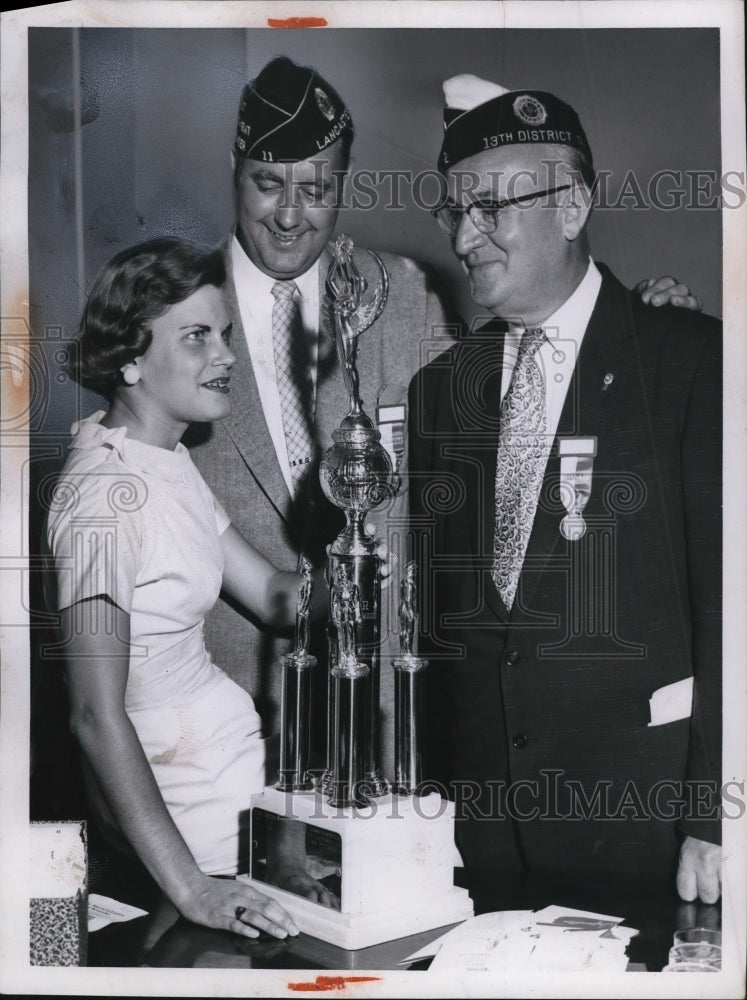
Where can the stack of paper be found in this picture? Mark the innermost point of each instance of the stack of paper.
(556, 939)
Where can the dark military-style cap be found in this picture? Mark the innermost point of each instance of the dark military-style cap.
(289, 113)
(480, 115)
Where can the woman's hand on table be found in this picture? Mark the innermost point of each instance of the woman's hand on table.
(234, 906)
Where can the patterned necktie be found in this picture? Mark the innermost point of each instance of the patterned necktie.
(523, 447)
(292, 371)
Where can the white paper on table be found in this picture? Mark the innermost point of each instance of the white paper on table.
(486, 927)
(565, 939)
(490, 941)
(103, 911)
(556, 915)
(577, 953)
(556, 938)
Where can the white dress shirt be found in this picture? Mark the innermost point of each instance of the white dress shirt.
(255, 300)
(565, 331)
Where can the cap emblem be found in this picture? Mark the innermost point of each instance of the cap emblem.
(530, 110)
(324, 104)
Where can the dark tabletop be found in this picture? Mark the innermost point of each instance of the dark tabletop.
(162, 939)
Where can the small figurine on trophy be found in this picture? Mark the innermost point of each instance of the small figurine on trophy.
(409, 680)
(346, 286)
(345, 605)
(295, 700)
(303, 607)
(407, 612)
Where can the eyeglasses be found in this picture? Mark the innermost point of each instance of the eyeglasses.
(483, 214)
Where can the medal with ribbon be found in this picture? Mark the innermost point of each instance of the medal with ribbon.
(576, 467)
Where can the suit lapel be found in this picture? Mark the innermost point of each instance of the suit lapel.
(246, 423)
(589, 407)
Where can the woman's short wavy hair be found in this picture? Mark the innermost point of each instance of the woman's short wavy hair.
(134, 288)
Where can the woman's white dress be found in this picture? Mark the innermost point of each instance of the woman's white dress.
(138, 524)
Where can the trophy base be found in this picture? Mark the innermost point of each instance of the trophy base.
(389, 865)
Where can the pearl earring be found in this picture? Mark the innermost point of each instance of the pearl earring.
(131, 375)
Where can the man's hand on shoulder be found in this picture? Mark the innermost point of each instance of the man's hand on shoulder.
(667, 291)
(699, 871)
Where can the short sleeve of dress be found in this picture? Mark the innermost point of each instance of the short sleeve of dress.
(94, 532)
(222, 520)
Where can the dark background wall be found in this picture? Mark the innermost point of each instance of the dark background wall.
(158, 110)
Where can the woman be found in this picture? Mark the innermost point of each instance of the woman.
(142, 549)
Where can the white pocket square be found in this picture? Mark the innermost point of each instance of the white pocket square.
(671, 702)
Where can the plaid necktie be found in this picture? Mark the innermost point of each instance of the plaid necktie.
(292, 371)
(523, 447)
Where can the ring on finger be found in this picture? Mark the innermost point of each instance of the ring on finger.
(239, 912)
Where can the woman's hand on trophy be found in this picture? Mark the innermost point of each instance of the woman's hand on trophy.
(388, 559)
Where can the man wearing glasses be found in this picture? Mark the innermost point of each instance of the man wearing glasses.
(572, 575)
(292, 150)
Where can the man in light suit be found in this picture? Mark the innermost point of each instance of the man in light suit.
(292, 149)
(565, 468)
(291, 153)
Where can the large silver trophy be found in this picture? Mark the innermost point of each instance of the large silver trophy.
(355, 474)
(385, 857)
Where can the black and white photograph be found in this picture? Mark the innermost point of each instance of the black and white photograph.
(372, 566)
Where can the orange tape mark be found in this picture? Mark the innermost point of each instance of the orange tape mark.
(324, 983)
(297, 22)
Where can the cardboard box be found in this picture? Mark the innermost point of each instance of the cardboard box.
(58, 893)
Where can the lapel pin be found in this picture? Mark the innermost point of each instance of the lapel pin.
(607, 381)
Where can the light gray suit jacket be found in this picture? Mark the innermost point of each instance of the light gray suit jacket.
(237, 458)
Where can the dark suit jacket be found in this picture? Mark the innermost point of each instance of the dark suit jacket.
(551, 702)
(237, 458)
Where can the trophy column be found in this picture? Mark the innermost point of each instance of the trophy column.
(356, 475)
